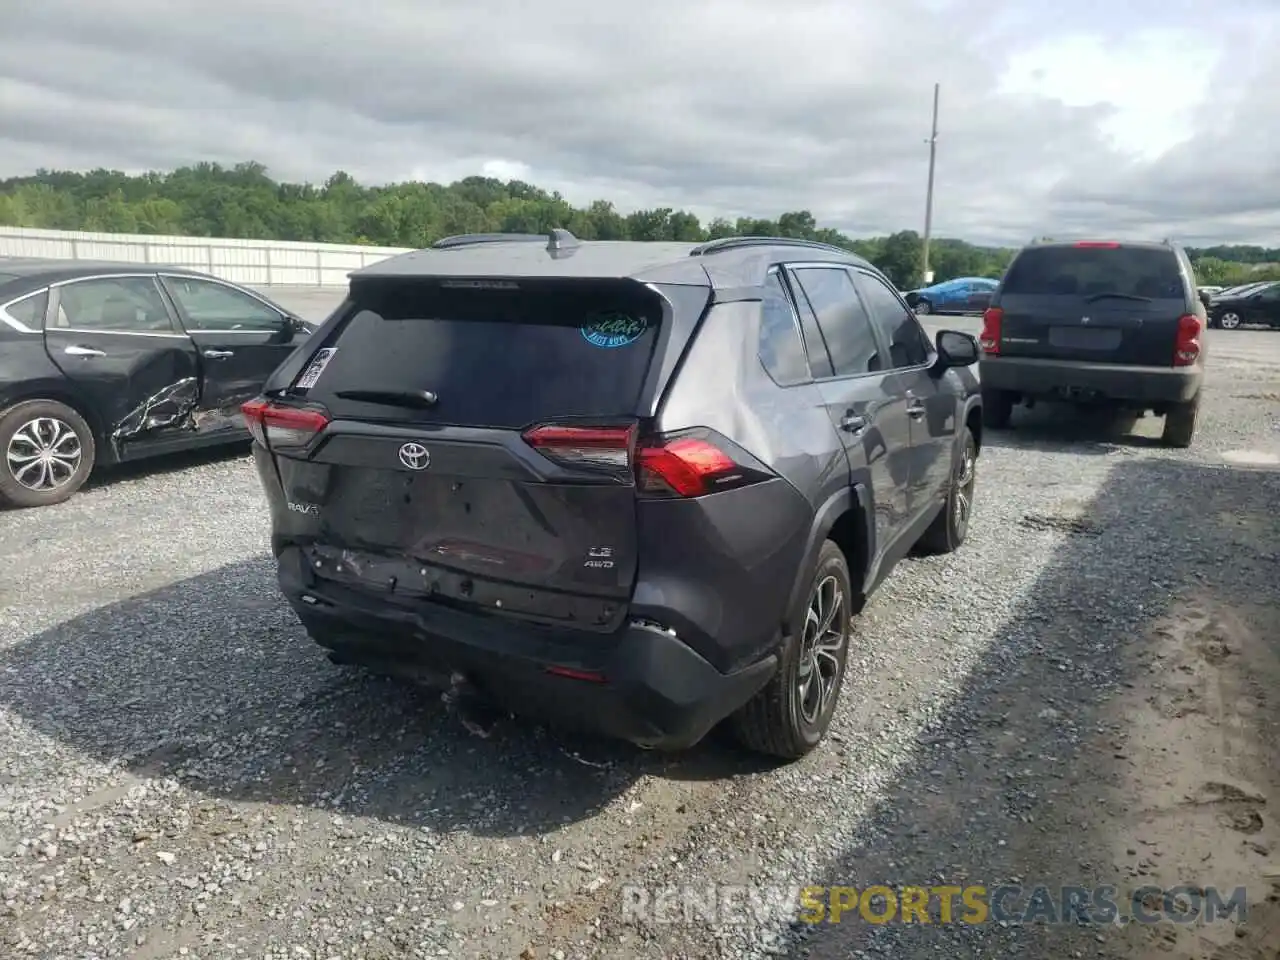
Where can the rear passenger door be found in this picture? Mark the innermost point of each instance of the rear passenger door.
(115, 337)
(931, 402)
(871, 419)
(1266, 309)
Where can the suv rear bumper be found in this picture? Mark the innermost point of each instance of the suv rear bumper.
(1082, 379)
(653, 690)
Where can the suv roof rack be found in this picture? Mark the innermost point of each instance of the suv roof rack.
(733, 243)
(558, 241)
(466, 239)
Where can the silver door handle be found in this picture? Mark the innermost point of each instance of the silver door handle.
(78, 351)
(852, 423)
(915, 410)
(218, 354)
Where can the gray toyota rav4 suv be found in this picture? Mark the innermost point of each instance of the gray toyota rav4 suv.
(1097, 323)
(636, 487)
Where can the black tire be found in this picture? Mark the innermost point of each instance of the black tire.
(951, 526)
(997, 409)
(59, 429)
(1180, 424)
(780, 720)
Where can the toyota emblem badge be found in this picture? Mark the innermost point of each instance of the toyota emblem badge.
(415, 456)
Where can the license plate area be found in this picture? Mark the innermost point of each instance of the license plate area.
(1085, 338)
(1079, 394)
(407, 581)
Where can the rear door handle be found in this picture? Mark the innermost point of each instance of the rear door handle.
(75, 350)
(915, 409)
(218, 354)
(852, 423)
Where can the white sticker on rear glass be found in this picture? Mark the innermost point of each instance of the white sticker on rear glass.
(315, 368)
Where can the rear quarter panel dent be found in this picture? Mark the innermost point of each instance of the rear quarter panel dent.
(722, 385)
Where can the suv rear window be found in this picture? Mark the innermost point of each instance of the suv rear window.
(494, 358)
(1086, 271)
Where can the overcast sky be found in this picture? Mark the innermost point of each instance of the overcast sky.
(1118, 117)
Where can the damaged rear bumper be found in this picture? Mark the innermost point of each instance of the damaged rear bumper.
(640, 683)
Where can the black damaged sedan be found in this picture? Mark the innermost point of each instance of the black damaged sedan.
(102, 363)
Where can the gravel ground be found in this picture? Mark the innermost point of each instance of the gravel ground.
(183, 774)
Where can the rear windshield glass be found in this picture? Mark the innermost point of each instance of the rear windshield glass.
(493, 358)
(1088, 271)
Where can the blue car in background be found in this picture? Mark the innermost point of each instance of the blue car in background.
(961, 295)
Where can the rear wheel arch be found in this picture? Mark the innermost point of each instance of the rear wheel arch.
(843, 520)
(973, 420)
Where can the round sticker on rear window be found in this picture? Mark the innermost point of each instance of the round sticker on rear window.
(613, 329)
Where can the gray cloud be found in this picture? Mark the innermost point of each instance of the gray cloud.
(722, 107)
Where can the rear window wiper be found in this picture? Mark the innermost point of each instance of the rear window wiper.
(420, 399)
(1118, 296)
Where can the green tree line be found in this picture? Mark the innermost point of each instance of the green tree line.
(211, 200)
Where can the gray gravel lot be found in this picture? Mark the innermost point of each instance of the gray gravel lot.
(183, 774)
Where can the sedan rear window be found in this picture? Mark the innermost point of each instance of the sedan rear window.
(1146, 272)
(491, 357)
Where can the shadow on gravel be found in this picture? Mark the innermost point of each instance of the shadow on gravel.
(1028, 776)
(212, 681)
(168, 463)
(1062, 428)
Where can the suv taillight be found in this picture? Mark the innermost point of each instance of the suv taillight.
(276, 426)
(687, 464)
(682, 466)
(1187, 349)
(606, 448)
(992, 320)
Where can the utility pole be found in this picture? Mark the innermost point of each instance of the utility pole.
(928, 203)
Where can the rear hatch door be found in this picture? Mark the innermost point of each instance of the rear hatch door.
(1108, 303)
(481, 441)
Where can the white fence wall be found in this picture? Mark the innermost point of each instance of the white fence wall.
(258, 262)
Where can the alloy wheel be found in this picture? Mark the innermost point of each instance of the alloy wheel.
(825, 635)
(965, 482)
(44, 454)
(1229, 320)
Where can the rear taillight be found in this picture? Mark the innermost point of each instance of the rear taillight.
(606, 448)
(992, 320)
(688, 464)
(1187, 349)
(275, 426)
(685, 467)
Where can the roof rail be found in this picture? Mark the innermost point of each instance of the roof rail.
(733, 243)
(466, 239)
(558, 241)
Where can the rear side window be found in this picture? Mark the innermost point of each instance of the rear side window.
(30, 310)
(493, 358)
(781, 349)
(1146, 272)
(844, 324)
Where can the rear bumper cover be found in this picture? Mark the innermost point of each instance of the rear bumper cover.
(1080, 379)
(656, 691)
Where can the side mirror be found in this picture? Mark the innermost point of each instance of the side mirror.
(1205, 297)
(956, 349)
